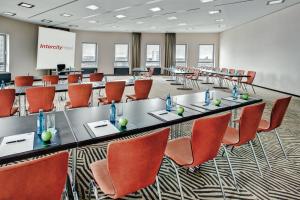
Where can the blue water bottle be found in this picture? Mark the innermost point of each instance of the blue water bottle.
(235, 92)
(207, 97)
(112, 113)
(168, 103)
(2, 85)
(40, 122)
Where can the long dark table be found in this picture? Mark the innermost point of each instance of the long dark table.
(176, 72)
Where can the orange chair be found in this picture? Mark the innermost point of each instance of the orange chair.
(74, 78)
(96, 77)
(142, 89)
(79, 95)
(40, 98)
(114, 92)
(43, 178)
(23, 81)
(127, 170)
(248, 124)
(53, 79)
(202, 146)
(278, 111)
(249, 80)
(7, 97)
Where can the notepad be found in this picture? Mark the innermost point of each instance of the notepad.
(102, 128)
(16, 144)
(207, 107)
(238, 100)
(165, 115)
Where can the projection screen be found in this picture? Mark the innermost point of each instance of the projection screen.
(55, 47)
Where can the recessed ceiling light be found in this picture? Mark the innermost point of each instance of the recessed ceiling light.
(140, 22)
(155, 9)
(206, 1)
(26, 5)
(154, 1)
(219, 20)
(46, 21)
(92, 7)
(212, 12)
(9, 13)
(73, 26)
(66, 15)
(172, 18)
(93, 21)
(273, 2)
(120, 9)
(120, 16)
(182, 24)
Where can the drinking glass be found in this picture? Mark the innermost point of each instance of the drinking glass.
(120, 107)
(51, 122)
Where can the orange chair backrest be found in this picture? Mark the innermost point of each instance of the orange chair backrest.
(251, 77)
(249, 121)
(80, 94)
(43, 178)
(23, 81)
(96, 77)
(40, 98)
(73, 78)
(134, 163)
(142, 88)
(114, 91)
(7, 97)
(53, 79)
(207, 135)
(278, 111)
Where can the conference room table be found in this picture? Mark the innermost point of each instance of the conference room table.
(74, 131)
(138, 71)
(63, 87)
(176, 73)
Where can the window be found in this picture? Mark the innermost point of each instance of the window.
(181, 55)
(3, 52)
(206, 55)
(121, 55)
(89, 55)
(153, 55)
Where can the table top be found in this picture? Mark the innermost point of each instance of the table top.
(63, 87)
(19, 125)
(140, 69)
(178, 72)
(224, 74)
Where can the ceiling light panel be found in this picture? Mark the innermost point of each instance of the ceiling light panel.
(274, 2)
(213, 12)
(26, 5)
(155, 9)
(9, 14)
(120, 16)
(92, 7)
(66, 15)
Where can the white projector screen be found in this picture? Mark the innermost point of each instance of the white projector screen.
(55, 47)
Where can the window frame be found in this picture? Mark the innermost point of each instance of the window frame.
(159, 62)
(213, 59)
(5, 63)
(96, 52)
(185, 56)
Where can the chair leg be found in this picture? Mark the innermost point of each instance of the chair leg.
(264, 152)
(281, 145)
(253, 89)
(158, 188)
(220, 181)
(254, 155)
(230, 167)
(178, 179)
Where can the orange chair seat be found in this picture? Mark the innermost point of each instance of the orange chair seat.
(132, 97)
(264, 125)
(13, 110)
(180, 151)
(231, 136)
(33, 111)
(102, 176)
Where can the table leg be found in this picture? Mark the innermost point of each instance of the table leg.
(184, 85)
(24, 104)
(207, 80)
(221, 86)
(74, 165)
(176, 82)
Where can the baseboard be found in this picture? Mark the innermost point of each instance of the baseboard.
(279, 91)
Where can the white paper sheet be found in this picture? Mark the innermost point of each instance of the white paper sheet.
(17, 147)
(235, 100)
(208, 107)
(166, 116)
(104, 130)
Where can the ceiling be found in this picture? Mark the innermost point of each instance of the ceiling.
(192, 15)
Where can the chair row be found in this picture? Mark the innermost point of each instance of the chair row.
(79, 95)
(126, 170)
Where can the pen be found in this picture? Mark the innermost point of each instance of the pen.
(100, 126)
(14, 141)
(163, 113)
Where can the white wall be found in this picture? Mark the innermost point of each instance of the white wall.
(270, 46)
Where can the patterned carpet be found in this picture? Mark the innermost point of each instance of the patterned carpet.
(280, 183)
(283, 182)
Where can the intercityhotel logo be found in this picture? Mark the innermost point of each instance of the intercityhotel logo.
(55, 47)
